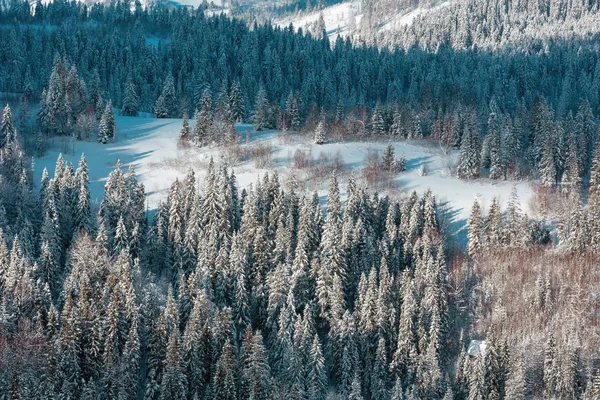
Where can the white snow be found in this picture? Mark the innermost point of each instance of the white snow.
(151, 145)
(401, 19)
(338, 18)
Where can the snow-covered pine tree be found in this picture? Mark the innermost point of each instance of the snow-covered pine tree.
(571, 181)
(292, 109)
(108, 128)
(319, 134)
(174, 383)
(185, 132)
(169, 99)
(516, 383)
(356, 391)
(262, 114)
(159, 108)
(493, 225)
(8, 131)
(415, 130)
(396, 127)
(469, 156)
(497, 169)
(236, 103)
(510, 144)
(512, 220)
(551, 368)
(547, 166)
(317, 374)
(204, 130)
(475, 230)
(130, 102)
(388, 161)
(377, 121)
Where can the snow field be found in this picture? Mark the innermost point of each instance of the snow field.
(151, 146)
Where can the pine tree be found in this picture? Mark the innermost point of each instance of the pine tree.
(493, 228)
(396, 129)
(223, 382)
(261, 113)
(185, 133)
(292, 110)
(319, 134)
(378, 123)
(475, 230)
(8, 132)
(130, 102)
(356, 392)
(548, 164)
(594, 200)
(516, 384)
(255, 371)
(169, 99)
(571, 179)
(107, 129)
(497, 169)
(402, 364)
(159, 108)
(316, 371)
(174, 382)
(83, 208)
(130, 366)
(469, 156)
(204, 130)
(510, 144)
(415, 131)
(551, 368)
(596, 384)
(379, 379)
(388, 162)
(236, 103)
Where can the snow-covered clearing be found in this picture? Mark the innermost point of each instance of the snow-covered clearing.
(338, 18)
(401, 19)
(151, 146)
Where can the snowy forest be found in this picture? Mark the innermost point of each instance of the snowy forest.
(268, 291)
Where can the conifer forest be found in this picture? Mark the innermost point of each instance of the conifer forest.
(300, 199)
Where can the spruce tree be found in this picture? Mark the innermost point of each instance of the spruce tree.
(236, 103)
(169, 99)
(388, 162)
(159, 108)
(174, 382)
(261, 113)
(185, 133)
(319, 134)
(377, 121)
(8, 132)
(571, 179)
(469, 155)
(204, 130)
(130, 102)
(107, 129)
(475, 230)
(316, 371)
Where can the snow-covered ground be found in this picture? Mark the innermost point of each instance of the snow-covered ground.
(398, 20)
(151, 146)
(342, 19)
(337, 18)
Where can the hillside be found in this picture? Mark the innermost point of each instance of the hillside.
(366, 200)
